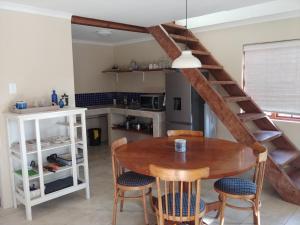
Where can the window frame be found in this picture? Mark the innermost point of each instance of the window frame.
(271, 115)
(276, 116)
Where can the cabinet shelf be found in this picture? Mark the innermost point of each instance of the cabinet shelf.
(68, 124)
(60, 145)
(59, 193)
(16, 150)
(134, 71)
(50, 196)
(133, 131)
(47, 173)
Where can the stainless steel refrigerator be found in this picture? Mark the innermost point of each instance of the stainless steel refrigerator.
(185, 109)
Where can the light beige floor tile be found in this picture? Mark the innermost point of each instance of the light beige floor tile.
(295, 218)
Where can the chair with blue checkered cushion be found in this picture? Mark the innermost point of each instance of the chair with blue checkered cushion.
(178, 195)
(133, 179)
(128, 181)
(243, 189)
(236, 186)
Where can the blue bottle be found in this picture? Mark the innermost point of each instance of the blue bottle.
(61, 103)
(54, 98)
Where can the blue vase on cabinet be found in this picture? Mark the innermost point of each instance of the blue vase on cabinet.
(61, 103)
(54, 98)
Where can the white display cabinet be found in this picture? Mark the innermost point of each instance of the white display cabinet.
(32, 138)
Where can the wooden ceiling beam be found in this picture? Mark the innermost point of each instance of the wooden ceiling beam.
(107, 24)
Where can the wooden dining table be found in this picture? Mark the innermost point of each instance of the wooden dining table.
(224, 158)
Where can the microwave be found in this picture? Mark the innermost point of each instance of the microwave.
(152, 101)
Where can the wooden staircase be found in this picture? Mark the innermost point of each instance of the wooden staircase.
(283, 167)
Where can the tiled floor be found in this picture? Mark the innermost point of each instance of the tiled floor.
(74, 209)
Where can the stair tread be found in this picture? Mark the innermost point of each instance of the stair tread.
(266, 135)
(213, 67)
(183, 39)
(221, 82)
(283, 156)
(250, 116)
(199, 52)
(236, 98)
(174, 26)
(294, 175)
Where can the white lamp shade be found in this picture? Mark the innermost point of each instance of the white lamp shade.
(186, 60)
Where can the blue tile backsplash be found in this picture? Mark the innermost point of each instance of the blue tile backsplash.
(105, 98)
(89, 99)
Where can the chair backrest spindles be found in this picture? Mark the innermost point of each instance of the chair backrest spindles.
(197, 200)
(181, 199)
(166, 199)
(184, 180)
(173, 205)
(189, 198)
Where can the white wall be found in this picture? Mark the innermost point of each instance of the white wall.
(89, 62)
(142, 53)
(36, 54)
(91, 59)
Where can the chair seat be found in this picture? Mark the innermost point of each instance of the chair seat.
(133, 179)
(236, 186)
(184, 204)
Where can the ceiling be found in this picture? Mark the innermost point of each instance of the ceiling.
(135, 12)
(138, 12)
(89, 34)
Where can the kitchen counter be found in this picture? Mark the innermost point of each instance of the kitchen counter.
(120, 106)
(117, 114)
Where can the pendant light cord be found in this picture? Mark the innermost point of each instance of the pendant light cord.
(186, 27)
(186, 13)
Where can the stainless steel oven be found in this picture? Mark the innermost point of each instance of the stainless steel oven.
(152, 101)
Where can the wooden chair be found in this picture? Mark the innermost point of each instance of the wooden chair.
(128, 181)
(243, 189)
(192, 133)
(178, 187)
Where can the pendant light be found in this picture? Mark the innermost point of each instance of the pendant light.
(186, 59)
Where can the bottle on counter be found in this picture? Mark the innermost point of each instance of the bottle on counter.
(65, 97)
(61, 103)
(125, 100)
(54, 98)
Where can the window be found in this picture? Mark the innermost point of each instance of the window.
(272, 77)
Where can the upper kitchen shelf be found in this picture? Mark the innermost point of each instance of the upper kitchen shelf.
(130, 71)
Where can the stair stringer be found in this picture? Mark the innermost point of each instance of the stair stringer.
(282, 183)
(203, 88)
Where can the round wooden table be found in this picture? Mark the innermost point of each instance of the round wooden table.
(224, 158)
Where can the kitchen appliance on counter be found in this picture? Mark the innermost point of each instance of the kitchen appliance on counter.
(152, 102)
(185, 109)
(133, 123)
